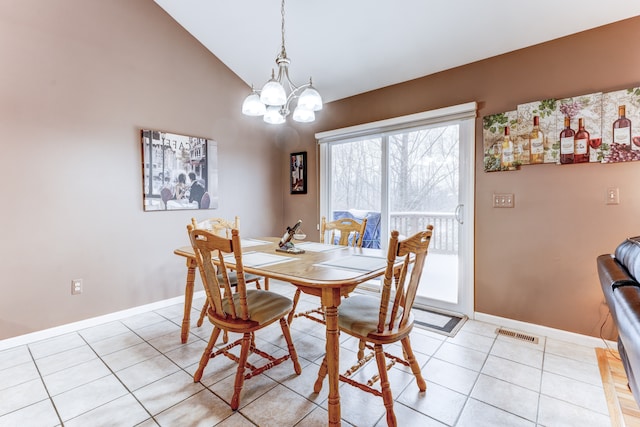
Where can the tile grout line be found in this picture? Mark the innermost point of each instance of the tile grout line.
(468, 396)
(55, 408)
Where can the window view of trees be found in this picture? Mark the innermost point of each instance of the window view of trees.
(356, 179)
(423, 177)
(423, 172)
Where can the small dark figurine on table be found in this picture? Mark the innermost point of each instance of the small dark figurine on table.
(285, 244)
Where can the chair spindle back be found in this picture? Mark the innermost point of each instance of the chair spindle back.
(414, 251)
(208, 245)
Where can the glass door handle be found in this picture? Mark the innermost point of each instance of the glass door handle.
(458, 215)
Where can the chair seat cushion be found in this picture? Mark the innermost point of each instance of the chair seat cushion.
(358, 315)
(233, 278)
(264, 306)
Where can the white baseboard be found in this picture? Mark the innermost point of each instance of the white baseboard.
(546, 331)
(87, 323)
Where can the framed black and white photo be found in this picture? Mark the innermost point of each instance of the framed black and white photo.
(179, 171)
(298, 172)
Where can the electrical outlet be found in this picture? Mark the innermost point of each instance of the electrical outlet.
(76, 286)
(503, 200)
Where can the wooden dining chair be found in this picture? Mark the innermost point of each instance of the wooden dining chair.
(344, 232)
(236, 309)
(223, 227)
(379, 321)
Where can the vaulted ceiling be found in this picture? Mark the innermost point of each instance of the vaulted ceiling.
(354, 46)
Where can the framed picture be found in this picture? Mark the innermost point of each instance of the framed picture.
(179, 171)
(298, 172)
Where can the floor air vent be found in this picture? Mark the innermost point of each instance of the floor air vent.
(517, 335)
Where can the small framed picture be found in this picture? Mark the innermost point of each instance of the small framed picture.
(298, 172)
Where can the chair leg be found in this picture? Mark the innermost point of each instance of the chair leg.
(361, 346)
(292, 350)
(415, 368)
(296, 298)
(322, 372)
(385, 386)
(225, 337)
(206, 355)
(203, 313)
(244, 354)
(266, 283)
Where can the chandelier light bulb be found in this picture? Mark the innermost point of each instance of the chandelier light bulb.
(273, 116)
(310, 99)
(273, 93)
(252, 105)
(303, 115)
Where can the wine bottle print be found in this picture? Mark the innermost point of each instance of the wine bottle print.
(581, 144)
(507, 150)
(566, 142)
(536, 142)
(622, 130)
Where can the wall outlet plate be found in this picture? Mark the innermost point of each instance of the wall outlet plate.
(76, 286)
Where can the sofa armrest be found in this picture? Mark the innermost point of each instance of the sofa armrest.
(612, 276)
(612, 273)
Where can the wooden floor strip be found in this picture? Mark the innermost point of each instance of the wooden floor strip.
(623, 409)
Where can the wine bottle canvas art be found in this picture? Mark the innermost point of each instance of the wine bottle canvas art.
(591, 128)
(494, 127)
(621, 125)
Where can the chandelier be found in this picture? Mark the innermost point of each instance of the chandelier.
(273, 103)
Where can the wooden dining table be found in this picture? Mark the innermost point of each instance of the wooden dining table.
(327, 271)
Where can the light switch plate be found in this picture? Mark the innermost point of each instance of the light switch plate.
(613, 196)
(503, 200)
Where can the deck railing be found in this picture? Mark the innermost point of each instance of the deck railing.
(445, 228)
(445, 234)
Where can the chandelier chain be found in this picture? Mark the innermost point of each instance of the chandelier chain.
(284, 52)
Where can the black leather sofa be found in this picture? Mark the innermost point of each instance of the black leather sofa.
(618, 274)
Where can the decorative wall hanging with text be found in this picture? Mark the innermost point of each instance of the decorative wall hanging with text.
(179, 171)
(593, 128)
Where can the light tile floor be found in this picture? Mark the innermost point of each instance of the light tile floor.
(135, 372)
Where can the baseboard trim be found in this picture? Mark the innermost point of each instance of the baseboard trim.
(88, 323)
(546, 331)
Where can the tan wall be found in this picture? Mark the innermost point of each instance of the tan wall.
(79, 79)
(534, 263)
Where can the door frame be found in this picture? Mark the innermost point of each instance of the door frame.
(465, 114)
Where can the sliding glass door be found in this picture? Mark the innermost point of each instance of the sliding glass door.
(405, 179)
(424, 171)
